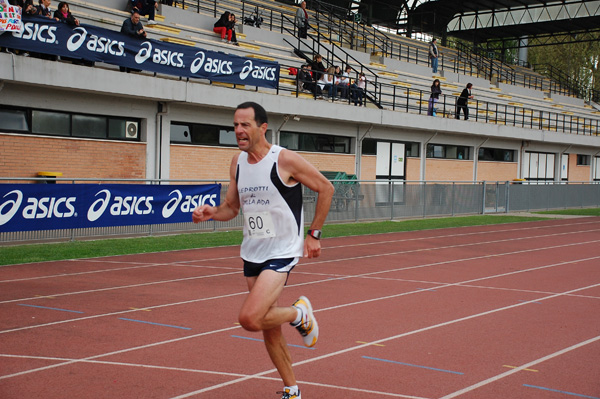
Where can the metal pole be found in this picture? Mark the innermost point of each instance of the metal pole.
(497, 192)
(483, 199)
(392, 201)
(424, 200)
(356, 201)
(507, 197)
(453, 186)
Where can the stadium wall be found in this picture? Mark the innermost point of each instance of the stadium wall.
(157, 101)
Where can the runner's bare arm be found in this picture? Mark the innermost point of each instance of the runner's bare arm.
(292, 168)
(228, 209)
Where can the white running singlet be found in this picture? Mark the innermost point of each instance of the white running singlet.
(272, 210)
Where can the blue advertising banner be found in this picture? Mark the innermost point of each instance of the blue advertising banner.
(28, 207)
(91, 43)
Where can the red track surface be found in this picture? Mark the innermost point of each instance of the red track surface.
(509, 311)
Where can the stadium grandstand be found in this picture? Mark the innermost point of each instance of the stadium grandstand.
(86, 119)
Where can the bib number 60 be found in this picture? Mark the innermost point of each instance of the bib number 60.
(259, 225)
(256, 223)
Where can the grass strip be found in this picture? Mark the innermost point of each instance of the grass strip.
(581, 212)
(125, 246)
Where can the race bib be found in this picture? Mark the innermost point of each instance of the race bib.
(259, 224)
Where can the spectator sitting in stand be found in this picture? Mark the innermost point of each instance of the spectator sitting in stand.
(306, 82)
(327, 82)
(317, 67)
(145, 7)
(344, 82)
(63, 14)
(134, 28)
(222, 27)
(358, 89)
(231, 25)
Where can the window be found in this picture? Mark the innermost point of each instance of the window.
(202, 134)
(583, 160)
(90, 126)
(315, 142)
(412, 150)
(369, 147)
(54, 123)
(496, 154)
(13, 120)
(67, 124)
(447, 151)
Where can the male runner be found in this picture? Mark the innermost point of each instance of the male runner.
(266, 182)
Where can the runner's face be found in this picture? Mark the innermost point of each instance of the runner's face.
(247, 132)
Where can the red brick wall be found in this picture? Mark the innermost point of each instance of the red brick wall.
(448, 170)
(497, 171)
(578, 173)
(200, 162)
(368, 164)
(24, 156)
(413, 169)
(331, 162)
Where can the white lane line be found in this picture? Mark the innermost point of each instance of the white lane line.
(209, 372)
(343, 260)
(520, 368)
(314, 282)
(383, 340)
(124, 287)
(184, 263)
(330, 354)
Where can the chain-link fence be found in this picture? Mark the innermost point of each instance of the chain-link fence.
(356, 201)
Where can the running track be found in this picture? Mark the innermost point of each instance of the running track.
(508, 311)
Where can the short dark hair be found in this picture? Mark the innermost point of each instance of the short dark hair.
(260, 115)
(469, 85)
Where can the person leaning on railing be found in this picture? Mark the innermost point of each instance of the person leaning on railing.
(436, 90)
(134, 28)
(63, 14)
(463, 101)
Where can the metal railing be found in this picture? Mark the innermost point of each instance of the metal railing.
(360, 200)
(400, 98)
(468, 61)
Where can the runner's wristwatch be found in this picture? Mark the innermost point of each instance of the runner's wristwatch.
(316, 234)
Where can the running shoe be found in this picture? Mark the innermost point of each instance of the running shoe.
(287, 395)
(307, 327)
